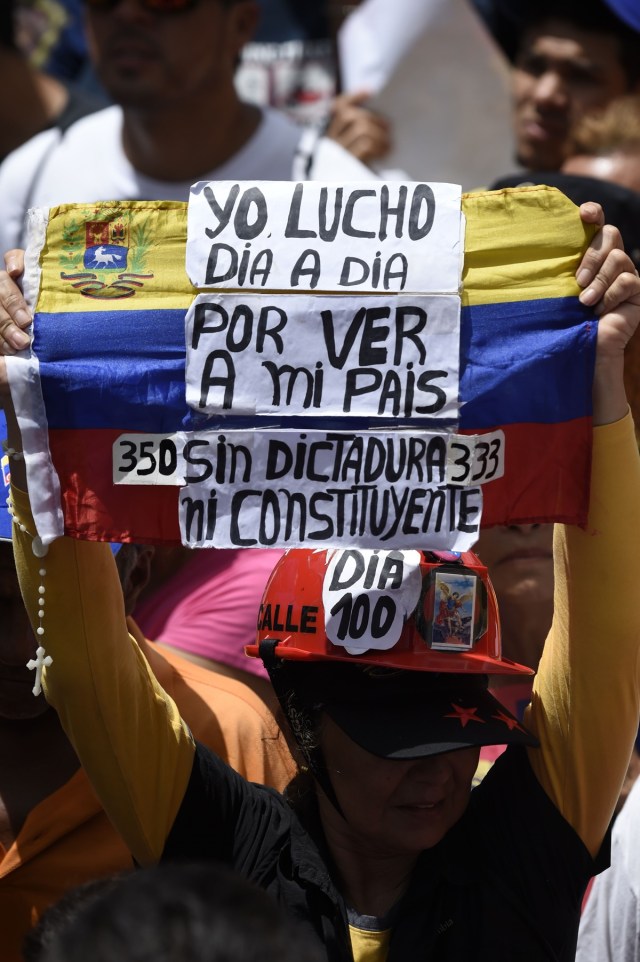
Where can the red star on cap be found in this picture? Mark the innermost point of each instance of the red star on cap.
(464, 715)
(511, 723)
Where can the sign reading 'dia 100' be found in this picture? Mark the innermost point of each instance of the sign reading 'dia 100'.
(374, 236)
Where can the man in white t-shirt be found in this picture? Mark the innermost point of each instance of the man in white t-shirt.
(610, 925)
(169, 67)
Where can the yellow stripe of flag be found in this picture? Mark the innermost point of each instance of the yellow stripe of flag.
(514, 251)
(521, 244)
(151, 234)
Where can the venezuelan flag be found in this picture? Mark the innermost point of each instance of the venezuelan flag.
(528, 351)
(110, 347)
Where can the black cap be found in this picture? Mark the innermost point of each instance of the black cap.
(407, 714)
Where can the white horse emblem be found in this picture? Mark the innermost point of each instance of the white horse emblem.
(102, 258)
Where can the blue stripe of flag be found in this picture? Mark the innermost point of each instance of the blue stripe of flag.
(526, 361)
(521, 362)
(113, 369)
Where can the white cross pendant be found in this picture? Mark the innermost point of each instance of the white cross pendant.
(39, 662)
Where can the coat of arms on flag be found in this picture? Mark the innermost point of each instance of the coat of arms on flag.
(106, 245)
(103, 255)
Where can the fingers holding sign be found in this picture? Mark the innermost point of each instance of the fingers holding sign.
(606, 272)
(612, 288)
(14, 313)
(611, 284)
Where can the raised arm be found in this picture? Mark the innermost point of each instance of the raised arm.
(126, 731)
(586, 698)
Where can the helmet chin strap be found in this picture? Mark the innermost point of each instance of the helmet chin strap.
(313, 757)
(318, 769)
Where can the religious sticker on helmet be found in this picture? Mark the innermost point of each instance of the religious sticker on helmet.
(452, 626)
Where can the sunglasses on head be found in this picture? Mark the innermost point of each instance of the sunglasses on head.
(155, 6)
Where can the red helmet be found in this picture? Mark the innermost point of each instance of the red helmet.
(417, 610)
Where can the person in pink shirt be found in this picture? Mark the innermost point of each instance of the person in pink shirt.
(204, 604)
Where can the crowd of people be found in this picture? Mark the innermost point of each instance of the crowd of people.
(169, 796)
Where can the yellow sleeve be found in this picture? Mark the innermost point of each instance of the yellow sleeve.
(126, 731)
(586, 702)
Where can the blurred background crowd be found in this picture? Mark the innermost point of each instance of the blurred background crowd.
(99, 102)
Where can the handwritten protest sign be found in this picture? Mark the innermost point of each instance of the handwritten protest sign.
(265, 487)
(315, 355)
(324, 356)
(321, 434)
(285, 236)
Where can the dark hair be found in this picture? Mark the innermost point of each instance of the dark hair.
(62, 914)
(176, 911)
(304, 721)
(511, 21)
(615, 129)
(301, 690)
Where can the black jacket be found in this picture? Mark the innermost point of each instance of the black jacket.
(506, 883)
